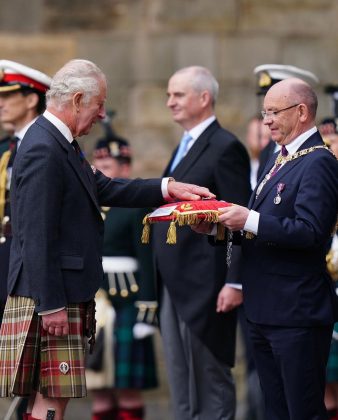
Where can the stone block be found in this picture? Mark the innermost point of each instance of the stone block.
(318, 55)
(285, 17)
(196, 49)
(239, 55)
(197, 15)
(46, 53)
(153, 57)
(147, 105)
(110, 53)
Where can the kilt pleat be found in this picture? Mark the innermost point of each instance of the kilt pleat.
(31, 359)
(14, 347)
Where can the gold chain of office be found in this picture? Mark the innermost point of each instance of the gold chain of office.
(283, 159)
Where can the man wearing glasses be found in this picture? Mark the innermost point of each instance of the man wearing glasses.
(289, 300)
(267, 75)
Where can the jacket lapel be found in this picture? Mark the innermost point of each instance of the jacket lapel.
(194, 152)
(314, 140)
(79, 170)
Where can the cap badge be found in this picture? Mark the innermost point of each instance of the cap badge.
(114, 148)
(63, 367)
(264, 80)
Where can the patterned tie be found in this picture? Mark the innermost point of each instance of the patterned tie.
(273, 170)
(181, 151)
(284, 152)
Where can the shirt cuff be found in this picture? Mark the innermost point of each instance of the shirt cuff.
(51, 311)
(164, 188)
(237, 286)
(251, 224)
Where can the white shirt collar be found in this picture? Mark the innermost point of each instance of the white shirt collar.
(298, 141)
(60, 125)
(199, 128)
(20, 134)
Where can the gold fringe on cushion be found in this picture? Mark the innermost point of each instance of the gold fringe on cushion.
(171, 235)
(146, 230)
(183, 219)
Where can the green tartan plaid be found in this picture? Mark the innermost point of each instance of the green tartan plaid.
(31, 359)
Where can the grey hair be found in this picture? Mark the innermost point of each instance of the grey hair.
(75, 76)
(304, 93)
(202, 79)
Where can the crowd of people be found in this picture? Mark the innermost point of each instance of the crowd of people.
(70, 240)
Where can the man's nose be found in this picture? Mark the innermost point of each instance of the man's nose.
(102, 113)
(170, 101)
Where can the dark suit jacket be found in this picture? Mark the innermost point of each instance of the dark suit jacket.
(284, 276)
(265, 157)
(192, 270)
(57, 224)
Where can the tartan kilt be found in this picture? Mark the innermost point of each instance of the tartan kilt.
(332, 364)
(31, 359)
(135, 364)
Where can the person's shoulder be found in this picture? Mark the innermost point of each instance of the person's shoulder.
(221, 133)
(226, 140)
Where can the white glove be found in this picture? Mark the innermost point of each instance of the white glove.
(142, 330)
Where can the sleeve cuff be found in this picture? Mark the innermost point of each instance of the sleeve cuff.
(252, 222)
(237, 286)
(164, 188)
(51, 311)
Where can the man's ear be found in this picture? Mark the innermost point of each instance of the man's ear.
(32, 100)
(303, 112)
(205, 98)
(77, 99)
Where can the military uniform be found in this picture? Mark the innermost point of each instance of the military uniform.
(123, 356)
(14, 77)
(5, 236)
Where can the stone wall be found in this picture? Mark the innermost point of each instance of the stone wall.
(140, 43)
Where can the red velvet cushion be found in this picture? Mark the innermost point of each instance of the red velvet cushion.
(184, 213)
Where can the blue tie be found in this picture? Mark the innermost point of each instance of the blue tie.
(181, 151)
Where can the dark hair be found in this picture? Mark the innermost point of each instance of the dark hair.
(41, 106)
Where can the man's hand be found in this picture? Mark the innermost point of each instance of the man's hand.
(228, 298)
(56, 323)
(202, 227)
(234, 217)
(181, 191)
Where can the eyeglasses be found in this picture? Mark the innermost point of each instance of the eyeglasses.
(272, 114)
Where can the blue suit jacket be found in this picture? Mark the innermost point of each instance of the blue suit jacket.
(284, 274)
(56, 219)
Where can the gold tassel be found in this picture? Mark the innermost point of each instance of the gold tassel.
(146, 231)
(3, 179)
(220, 236)
(171, 235)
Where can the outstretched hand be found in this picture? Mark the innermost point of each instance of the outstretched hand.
(182, 191)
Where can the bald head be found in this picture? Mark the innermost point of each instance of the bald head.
(297, 91)
(290, 109)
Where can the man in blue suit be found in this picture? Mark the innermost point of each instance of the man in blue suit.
(289, 300)
(55, 262)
